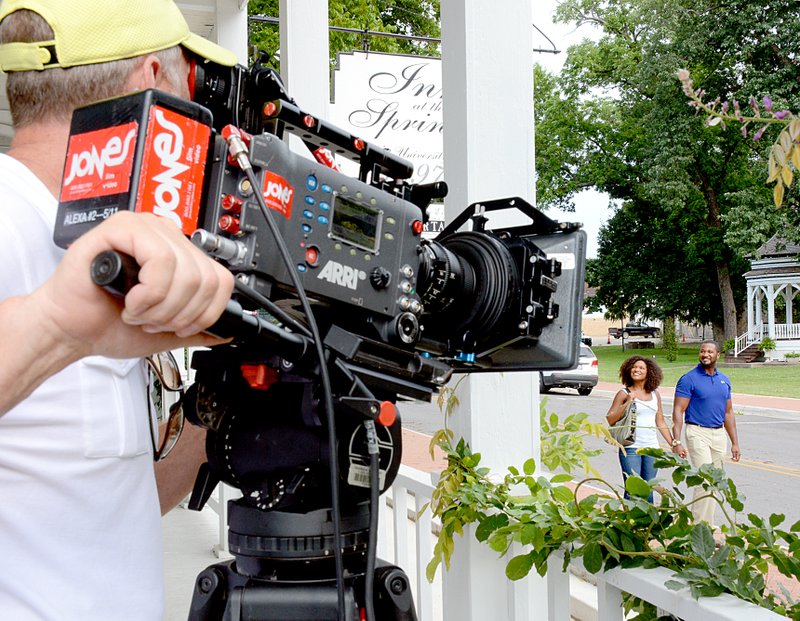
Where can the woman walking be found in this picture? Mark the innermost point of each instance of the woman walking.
(641, 377)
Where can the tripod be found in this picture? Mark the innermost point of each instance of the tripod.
(283, 571)
(270, 444)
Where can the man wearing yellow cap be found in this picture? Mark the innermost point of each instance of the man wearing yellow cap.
(80, 535)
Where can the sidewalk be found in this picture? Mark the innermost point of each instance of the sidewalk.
(759, 401)
(417, 454)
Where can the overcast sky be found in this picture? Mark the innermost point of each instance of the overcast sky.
(591, 208)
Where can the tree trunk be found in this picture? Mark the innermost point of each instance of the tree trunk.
(728, 304)
(714, 221)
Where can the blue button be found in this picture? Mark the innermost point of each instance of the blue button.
(310, 200)
(324, 206)
(307, 213)
(326, 188)
(301, 267)
(311, 183)
(322, 220)
(306, 228)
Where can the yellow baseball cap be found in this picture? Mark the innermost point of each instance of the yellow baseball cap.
(97, 31)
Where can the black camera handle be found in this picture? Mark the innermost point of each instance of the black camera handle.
(118, 273)
(541, 224)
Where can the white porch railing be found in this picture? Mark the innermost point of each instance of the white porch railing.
(785, 331)
(781, 332)
(744, 341)
(407, 541)
(406, 538)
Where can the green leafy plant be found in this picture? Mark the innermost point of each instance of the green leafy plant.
(729, 345)
(767, 344)
(607, 530)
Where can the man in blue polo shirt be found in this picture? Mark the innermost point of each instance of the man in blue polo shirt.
(703, 402)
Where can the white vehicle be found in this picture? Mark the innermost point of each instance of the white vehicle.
(583, 377)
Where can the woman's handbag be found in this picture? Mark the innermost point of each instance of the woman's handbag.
(624, 430)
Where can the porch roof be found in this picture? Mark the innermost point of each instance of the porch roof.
(786, 270)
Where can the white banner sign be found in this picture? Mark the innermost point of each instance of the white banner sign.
(395, 102)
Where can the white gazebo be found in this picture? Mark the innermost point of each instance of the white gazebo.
(772, 285)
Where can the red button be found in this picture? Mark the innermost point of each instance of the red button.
(270, 109)
(229, 224)
(312, 255)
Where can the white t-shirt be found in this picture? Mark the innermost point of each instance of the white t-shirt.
(80, 534)
(646, 432)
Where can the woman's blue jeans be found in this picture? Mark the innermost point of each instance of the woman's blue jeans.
(640, 465)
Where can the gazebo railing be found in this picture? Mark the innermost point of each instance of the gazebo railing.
(780, 332)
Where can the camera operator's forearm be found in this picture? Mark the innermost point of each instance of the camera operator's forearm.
(30, 352)
(176, 474)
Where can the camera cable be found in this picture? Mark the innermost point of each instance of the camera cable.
(374, 493)
(274, 310)
(239, 152)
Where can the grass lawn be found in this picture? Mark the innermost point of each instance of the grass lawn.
(776, 381)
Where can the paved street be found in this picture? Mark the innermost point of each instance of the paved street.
(769, 433)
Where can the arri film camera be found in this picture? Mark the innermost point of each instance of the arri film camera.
(342, 307)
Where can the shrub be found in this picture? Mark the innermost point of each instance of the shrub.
(670, 340)
(767, 344)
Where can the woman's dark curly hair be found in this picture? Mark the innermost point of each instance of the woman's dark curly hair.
(654, 374)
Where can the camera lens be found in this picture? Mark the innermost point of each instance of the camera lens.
(467, 282)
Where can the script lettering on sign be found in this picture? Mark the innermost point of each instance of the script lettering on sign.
(396, 102)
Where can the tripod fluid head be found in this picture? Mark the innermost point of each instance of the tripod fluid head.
(266, 436)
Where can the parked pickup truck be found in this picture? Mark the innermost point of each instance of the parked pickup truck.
(635, 329)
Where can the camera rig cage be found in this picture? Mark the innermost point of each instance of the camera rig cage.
(396, 314)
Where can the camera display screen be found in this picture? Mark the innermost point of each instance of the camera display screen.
(355, 223)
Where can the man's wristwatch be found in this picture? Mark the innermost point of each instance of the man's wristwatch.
(676, 442)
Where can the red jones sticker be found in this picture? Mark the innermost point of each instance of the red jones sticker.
(172, 171)
(91, 170)
(278, 194)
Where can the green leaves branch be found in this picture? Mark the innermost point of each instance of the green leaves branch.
(605, 530)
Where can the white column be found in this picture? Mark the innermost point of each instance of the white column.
(231, 32)
(487, 75)
(771, 311)
(751, 303)
(305, 55)
(759, 305)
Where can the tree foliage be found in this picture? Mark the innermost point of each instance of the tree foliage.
(688, 195)
(419, 18)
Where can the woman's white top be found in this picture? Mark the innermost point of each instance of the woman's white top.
(646, 432)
